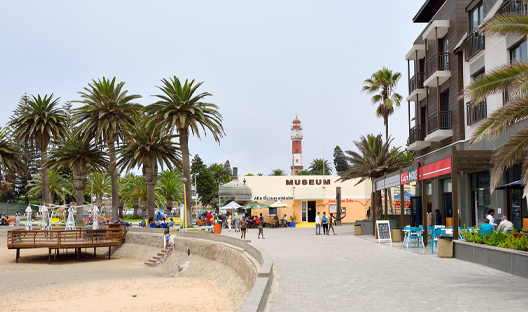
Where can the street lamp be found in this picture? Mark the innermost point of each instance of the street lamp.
(196, 191)
(184, 180)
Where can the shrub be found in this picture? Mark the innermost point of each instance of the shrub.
(497, 239)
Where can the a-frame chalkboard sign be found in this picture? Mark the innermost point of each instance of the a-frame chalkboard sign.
(384, 232)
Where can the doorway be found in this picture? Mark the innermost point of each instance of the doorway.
(311, 211)
(416, 210)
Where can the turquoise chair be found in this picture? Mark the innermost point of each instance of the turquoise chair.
(416, 233)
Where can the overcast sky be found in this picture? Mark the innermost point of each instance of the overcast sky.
(263, 61)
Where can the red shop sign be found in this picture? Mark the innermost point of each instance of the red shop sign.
(436, 169)
(404, 177)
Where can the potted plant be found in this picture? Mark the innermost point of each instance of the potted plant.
(292, 221)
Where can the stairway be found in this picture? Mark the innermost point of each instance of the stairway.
(159, 257)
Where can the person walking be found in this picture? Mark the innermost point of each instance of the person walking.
(317, 224)
(261, 226)
(243, 226)
(229, 222)
(237, 222)
(438, 217)
(324, 220)
(368, 214)
(331, 225)
(17, 216)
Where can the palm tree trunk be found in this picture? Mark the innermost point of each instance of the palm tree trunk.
(379, 208)
(45, 178)
(79, 200)
(184, 145)
(135, 205)
(387, 129)
(169, 205)
(99, 200)
(150, 175)
(113, 176)
(150, 199)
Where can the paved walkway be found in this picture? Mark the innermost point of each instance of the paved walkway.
(354, 273)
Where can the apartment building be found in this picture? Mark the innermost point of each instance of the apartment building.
(447, 56)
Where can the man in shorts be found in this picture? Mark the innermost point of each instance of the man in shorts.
(243, 225)
(261, 226)
(167, 236)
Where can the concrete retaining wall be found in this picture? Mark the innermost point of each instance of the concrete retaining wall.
(507, 260)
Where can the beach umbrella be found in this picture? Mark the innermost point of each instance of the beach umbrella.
(517, 185)
(231, 205)
(279, 204)
(406, 196)
(255, 205)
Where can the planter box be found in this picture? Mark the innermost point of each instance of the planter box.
(507, 260)
(357, 229)
(366, 226)
(396, 235)
(292, 224)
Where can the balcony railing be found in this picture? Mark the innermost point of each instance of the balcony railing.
(416, 82)
(476, 113)
(417, 133)
(440, 121)
(437, 62)
(514, 7)
(474, 43)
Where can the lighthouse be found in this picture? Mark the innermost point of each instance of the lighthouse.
(296, 137)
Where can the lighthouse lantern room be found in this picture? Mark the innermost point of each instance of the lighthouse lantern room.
(296, 137)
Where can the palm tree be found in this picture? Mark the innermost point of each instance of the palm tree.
(100, 185)
(170, 187)
(220, 174)
(107, 111)
(304, 172)
(77, 153)
(383, 85)
(10, 158)
(39, 119)
(57, 182)
(373, 159)
(180, 109)
(135, 191)
(277, 172)
(145, 147)
(320, 166)
(510, 78)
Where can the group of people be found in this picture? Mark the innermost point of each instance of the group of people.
(161, 223)
(489, 224)
(327, 223)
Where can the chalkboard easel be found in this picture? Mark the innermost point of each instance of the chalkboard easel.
(384, 232)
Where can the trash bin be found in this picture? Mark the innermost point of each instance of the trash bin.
(357, 229)
(218, 228)
(396, 235)
(445, 246)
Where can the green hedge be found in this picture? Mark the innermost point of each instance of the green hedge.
(497, 239)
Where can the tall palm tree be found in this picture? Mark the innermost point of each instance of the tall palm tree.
(382, 84)
(373, 159)
(56, 183)
(144, 147)
(77, 153)
(510, 78)
(181, 109)
(41, 120)
(10, 158)
(170, 187)
(317, 166)
(107, 111)
(100, 185)
(135, 192)
(277, 172)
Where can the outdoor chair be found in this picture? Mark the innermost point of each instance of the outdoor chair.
(434, 238)
(416, 233)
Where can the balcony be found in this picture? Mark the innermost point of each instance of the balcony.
(437, 67)
(416, 87)
(476, 113)
(436, 30)
(417, 137)
(473, 44)
(439, 127)
(514, 7)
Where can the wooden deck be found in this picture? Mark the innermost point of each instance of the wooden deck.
(65, 239)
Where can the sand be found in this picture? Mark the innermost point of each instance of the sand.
(122, 283)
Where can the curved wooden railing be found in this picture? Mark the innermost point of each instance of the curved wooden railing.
(81, 238)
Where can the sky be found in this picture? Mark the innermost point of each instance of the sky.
(265, 62)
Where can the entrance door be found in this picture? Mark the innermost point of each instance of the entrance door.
(516, 203)
(448, 205)
(304, 212)
(416, 209)
(311, 211)
(481, 205)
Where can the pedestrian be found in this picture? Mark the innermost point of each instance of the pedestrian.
(368, 214)
(331, 225)
(491, 217)
(324, 220)
(243, 226)
(430, 218)
(237, 222)
(229, 222)
(17, 216)
(438, 217)
(317, 224)
(261, 226)
(209, 219)
(167, 236)
(505, 225)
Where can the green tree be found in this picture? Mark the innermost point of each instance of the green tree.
(220, 174)
(40, 120)
(304, 172)
(250, 175)
(145, 147)
(277, 172)
(205, 184)
(383, 85)
(56, 181)
(320, 166)
(170, 187)
(135, 191)
(340, 163)
(106, 112)
(30, 157)
(181, 109)
(505, 121)
(77, 153)
(7, 193)
(373, 159)
(100, 185)
(227, 167)
(10, 157)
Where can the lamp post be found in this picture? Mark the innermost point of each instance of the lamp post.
(184, 180)
(196, 191)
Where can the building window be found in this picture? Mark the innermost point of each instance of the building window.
(297, 161)
(476, 16)
(518, 52)
(296, 151)
(272, 211)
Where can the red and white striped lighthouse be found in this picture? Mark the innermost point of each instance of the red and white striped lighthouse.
(296, 138)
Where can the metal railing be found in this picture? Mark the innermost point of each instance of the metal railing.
(416, 82)
(474, 43)
(514, 7)
(438, 62)
(417, 133)
(476, 113)
(440, 121)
